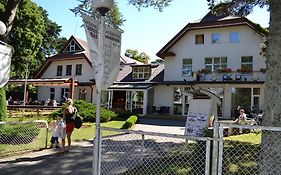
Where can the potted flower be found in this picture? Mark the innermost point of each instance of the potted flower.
(204, 71)
(226, 70)
(243, 70)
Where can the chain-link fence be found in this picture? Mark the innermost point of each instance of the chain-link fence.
(18, 137)
(146, 153)
(249, 150)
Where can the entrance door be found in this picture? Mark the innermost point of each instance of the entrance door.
(185, 103)
(119, 100)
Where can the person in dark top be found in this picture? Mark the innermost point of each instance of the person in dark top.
(68, 116)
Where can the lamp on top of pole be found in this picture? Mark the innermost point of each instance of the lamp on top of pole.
(102, 7)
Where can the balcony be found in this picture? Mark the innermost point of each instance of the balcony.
(229, 76)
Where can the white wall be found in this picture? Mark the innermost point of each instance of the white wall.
(87, 72)
(51, 72)
(249, 45)
(164, 96)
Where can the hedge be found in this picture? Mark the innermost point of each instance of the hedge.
(87, 112)
(130, 122)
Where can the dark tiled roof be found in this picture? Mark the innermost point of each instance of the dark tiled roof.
(157, 74)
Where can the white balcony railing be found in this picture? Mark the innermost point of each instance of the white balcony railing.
(231, 76)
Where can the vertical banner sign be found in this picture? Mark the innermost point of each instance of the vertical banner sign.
(105, 64)
(5, 63)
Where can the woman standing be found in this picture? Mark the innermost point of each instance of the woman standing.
(68, 115)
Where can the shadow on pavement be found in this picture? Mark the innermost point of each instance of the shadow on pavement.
(76, 162)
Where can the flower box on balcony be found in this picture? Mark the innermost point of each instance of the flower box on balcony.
(244, 70)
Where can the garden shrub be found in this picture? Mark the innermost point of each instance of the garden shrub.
(130, 122)
(87, 112)
(125, 115)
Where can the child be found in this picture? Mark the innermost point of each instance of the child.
(54, 140)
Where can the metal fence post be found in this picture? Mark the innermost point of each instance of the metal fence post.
(215, 148)
(142, 147)
(220, 150)
(207, 161)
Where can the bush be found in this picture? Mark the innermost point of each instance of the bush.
(130, 122)
(125, 115)
(87, 112)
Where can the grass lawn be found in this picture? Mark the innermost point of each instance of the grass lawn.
(87, 131)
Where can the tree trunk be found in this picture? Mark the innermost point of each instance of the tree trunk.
(9, 17)
(271, 141)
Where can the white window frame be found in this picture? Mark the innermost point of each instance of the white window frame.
(77, 69)
(66, 70)
(65, 92)
(60, 70)
(82, 94)
(187, 67)
(214, 66)
(249, 65)
(141, 72)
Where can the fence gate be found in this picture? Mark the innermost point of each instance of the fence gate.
(249, 150)
(145, 153)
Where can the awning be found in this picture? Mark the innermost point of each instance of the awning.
(44, 82)
(130, 86)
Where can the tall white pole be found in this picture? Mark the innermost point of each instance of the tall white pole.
(97, 146)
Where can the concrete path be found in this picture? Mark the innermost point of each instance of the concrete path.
(79, 160)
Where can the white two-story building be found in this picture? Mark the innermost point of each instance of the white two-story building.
(217, 53)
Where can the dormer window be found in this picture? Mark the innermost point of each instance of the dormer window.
(141, 72)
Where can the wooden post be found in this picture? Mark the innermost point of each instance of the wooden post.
(72, 85)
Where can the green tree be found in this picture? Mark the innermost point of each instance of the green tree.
(134, 54)
(9, 8)
(31, 33)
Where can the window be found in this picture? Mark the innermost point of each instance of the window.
(78, 69)
(82, 94)
(216, 38)
(234, 37)
(59, 71)
(141, 72)
(64, 92)
(73, 47)
(68, 70)
(247, 63)
(199, 39)
(213, 64)
(187, 67)
(52, 93)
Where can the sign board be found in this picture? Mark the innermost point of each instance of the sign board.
(105, 64)
(5, 63)
(199, 113)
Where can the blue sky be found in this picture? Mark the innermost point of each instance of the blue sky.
(147, 30)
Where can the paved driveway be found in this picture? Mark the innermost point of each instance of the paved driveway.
(79, 160)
